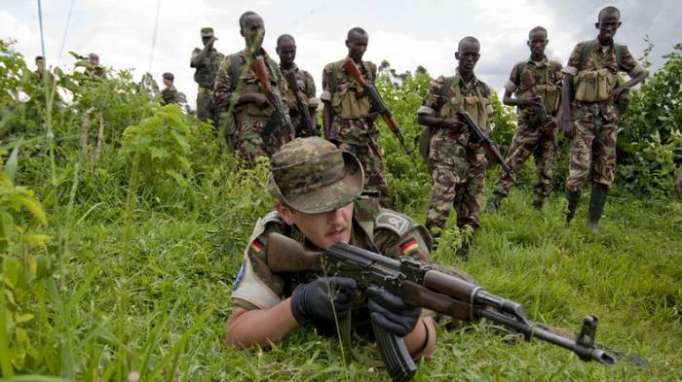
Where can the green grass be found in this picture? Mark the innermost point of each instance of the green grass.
(152, 295)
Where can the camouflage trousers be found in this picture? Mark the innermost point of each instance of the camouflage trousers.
(593, 148)
(459, 184)
(299, 125)
(205, 106)
(362, 139)
(249, 142)
(541, 143)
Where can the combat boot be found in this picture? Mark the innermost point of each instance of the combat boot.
(572, 197)
(597, 202)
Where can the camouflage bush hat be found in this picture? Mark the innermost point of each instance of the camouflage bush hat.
(168, 76)
(312, 175)
(207, 32)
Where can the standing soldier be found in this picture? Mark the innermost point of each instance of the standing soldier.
(259, 119)
(456, 160)
(93, 68)
(536, 84)
(592, 88)
(206, 61)
(301, 88)
(169, 94)
(348, 115)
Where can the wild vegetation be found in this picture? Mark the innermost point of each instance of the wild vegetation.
(122, 226)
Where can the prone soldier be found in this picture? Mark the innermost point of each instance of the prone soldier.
(301, 89)
(317, 187)
(348, 114)
(536, 82)
(591, 94)
(206, 61)
(457, 160)
(249, 88)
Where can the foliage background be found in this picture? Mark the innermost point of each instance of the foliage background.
(123, 264)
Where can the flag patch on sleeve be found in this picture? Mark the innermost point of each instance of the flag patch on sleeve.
(410, 247)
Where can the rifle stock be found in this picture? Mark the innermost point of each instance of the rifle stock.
(377, 102)
(278, 118)
(431, 287)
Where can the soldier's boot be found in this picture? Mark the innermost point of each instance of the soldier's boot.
(435, 232)
(597, 202)
(572, 197)
(494, 203)
(463, 251)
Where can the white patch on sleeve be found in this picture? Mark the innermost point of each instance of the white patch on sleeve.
(326, 96)
(252, 289)
(426, 110)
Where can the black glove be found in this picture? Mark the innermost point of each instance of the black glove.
(321, 298)
(391, 313)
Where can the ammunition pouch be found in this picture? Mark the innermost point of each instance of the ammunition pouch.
(350, 102)
(594, 85)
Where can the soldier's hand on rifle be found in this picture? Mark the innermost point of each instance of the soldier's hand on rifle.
(259, 99)
(530, 101)
(325, 298)
(453, 123)
(390, 312)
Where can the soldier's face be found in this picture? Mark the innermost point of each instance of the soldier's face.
(167, 82)
(40, 64)
(468, 55)
(287, 52)
(357, 45)
(537, 43)
(608, 25)
(323, 230)
(253, 31)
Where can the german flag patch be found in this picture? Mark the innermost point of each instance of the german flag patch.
(410, 247)
(257, 246)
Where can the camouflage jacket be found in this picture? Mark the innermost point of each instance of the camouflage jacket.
(171, 95)
(447, 95)
(305, 86)
(247, 82)
(543, 79)
(207, 69)
(345, 95)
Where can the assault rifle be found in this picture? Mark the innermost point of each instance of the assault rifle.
(429, 286)
(486, 142)
(308, 122)
(376, 101)
(278, 118)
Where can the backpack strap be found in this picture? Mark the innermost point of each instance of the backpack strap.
(585, 51)
(235, 69)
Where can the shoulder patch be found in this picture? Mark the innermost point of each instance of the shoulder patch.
(398, 223)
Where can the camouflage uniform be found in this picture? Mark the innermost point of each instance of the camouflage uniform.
(171, 95)
(308, 178)
(204, 76)
(352, 121)
(457, 163)
(306, 92)
(250, 119)
(544, 77)
(593, 149)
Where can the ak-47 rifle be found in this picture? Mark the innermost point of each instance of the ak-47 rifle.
(308, 122)
(426, 285)
(486, 142)
(538, 113)
(278, 118)
(376, 101)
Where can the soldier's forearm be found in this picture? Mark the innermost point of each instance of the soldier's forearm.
(422, 340)
(259, 327)
(429, 120)
(636, 79)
